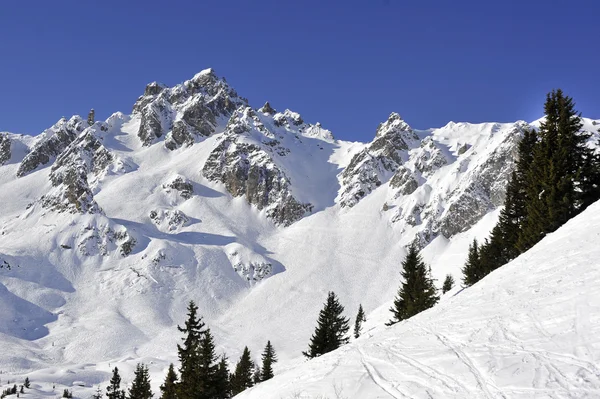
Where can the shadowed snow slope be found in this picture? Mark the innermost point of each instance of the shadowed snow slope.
(530, 329)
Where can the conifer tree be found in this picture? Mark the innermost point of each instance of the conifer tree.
(140, 388)
(98, 394)
(222, 383)
(169, 387)
(331, 330)
(268, 359)
(191, 382)
(448, 283)
(417, 292)
(27, 383)
(244, 371)
(473, 270)
(114, 391)
(360, 318)
(208, 367)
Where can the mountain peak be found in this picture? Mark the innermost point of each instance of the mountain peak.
(267, 109)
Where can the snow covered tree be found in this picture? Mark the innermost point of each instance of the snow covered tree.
(222, 383)
(268, 358)
(140, 388)
(417, 292)
(448, 283)
(244, 371)
(114, 391)
(169, 387)
(360, 318)
(473, 270)
(191, 383)
(331, 330)
(98, 394)
(90, 119)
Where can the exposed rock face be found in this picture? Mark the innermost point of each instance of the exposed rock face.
(77, 170)
(171, 220)
(375, 164)
(181, 185)
(479, 186)
(244, 162)
(4, 149)
(51, 143)
(185, 112)
(102, 240)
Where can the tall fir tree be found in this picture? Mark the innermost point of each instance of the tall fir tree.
(268, 359)
(191, 382)
(242, 378)
(208, 366)
(331, 329)
(473, 270)
(169, 388)
(222, 383)
(417, 292)
(360, 318)
(114, 391)
(448, 283)
(140, 387)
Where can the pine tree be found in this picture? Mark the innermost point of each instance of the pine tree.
(169, 387)
(90, 119)
(244, 371)
(114, 391)
(140, 388)
(27, 383)
(191, 383)
(448, 283)
(331, 329)
(67, 394)
(473, 271)
(208, 368)
(222, 383)
(98, 394)
(268, 359)
(417, 292)
(360, 318)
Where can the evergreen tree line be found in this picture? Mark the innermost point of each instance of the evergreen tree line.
(557, 176)
(202, 374)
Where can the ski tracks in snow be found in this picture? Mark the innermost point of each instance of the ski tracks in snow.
(377, 378)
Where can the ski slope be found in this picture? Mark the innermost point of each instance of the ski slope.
(529, 329)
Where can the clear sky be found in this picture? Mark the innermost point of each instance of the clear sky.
(347, 64)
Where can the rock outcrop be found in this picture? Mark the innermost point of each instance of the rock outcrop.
(376, 164)
(51, 143)
(185, 112)
(5, 153)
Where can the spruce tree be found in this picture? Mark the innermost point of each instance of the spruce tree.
(417, 292)
(268, 359)
(140, 388)
(114, 391)
(98, 394)
(244, 371)
(222, 383)
(360, 318)
(169, 387)
(191, 382)
(208, 367)
(27, 383)
(473, 270)
(331, 330)
(448, 283)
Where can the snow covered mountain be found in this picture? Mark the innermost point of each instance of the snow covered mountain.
(108, 230)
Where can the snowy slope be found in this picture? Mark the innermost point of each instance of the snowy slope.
(112, 230)
(529, 329)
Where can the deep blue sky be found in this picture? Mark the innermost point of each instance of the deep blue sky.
(347, 64)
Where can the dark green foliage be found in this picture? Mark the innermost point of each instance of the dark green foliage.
(331, 329)
(67, 394)
(140, 388)
(268, 359)
(360, 318)
(222, 384)
(564, 174)
(27, 383)
(114, 391)
(244, 371)
(169, 388)
(448, 283)
(417, 292)
(473, 270)
(198, 371)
